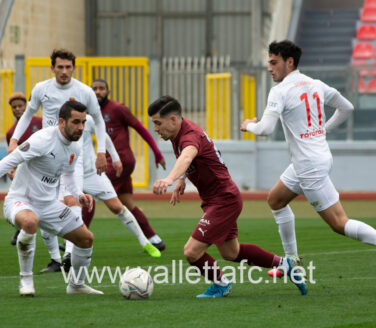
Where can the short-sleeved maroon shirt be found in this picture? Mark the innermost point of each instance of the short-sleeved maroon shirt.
(35, 125)
(207, 171)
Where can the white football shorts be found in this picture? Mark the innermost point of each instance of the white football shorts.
(54, 217)
(318, 190)
(99, 186)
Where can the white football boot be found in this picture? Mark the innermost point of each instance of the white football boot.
(82, 289)
(27, 286)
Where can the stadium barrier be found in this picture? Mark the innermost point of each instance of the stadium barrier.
(218, 106)
(127, 79)
(248, 100)
(6, 83)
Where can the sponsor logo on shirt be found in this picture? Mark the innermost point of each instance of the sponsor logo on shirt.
(312, 134)
(53, 155)
(49, 180)
(25, 146)
(71, 159)
(106, 117)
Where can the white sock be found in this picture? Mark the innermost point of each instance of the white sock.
(132, 225)
(285, 219)
(360, 231)
(68, 247)
(224, 281)
(52, 245)
(81, 257)
(155, 239)
(26, 250)
(68, 244)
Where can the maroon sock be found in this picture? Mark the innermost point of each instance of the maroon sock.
(255, 255)
(143, 222)
(211, 273)
(87, 216)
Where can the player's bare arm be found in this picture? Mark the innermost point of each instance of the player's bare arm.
(101, 163)
(86, 200)
(178, 190)
(118, 167)
(13, 144)
(182, 163)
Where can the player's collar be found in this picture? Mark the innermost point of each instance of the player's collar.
(291, 74)
(64, 140)
(63, 86)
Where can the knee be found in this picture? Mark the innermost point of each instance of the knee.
(274, 202)
(229, 256)
(190, 255)
(30, 224)
(86, 241)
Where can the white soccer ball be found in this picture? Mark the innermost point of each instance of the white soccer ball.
(136, 284)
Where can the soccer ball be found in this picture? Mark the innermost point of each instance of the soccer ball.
(136, 284)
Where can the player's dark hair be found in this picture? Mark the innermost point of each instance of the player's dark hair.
(102, 81)
(63, 54)
(286, 49)
(67, 108)
(165, 105)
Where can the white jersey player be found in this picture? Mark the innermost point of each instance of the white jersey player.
(100, 187)
(50, 95)
(42, 160)
(299, 101)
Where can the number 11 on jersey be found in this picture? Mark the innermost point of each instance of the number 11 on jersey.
(304, 96)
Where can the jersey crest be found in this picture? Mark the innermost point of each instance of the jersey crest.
(71, 159)
(34, 128)
(25, 146)
(106, 117)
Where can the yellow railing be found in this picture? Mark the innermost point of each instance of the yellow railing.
(127, 78)
(6, 85)
(218, 106)
(248, 100)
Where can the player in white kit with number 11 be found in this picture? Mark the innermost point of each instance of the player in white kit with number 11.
(298, 101)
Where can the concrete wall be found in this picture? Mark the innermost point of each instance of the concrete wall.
(259, 165)
(35, 27)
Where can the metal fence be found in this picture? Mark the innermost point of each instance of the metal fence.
(184, 79)
(6, 83)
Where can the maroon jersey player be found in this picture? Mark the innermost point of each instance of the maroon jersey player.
(200, 161)
(118, 119)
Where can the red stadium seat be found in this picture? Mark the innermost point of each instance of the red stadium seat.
(362, 86)
(368, 15)
(362, 50)
(359, 62)
(371, 86)
(369, 4)
(366, 32)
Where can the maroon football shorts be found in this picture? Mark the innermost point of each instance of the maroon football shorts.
(218, 223)
(122, 184)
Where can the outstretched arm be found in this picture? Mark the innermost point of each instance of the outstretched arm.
(145, 134)
(262, 128)
(9, 162)
(182, 163)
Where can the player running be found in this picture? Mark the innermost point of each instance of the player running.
(298, 101)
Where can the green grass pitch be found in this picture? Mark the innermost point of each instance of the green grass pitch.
(343, 296)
